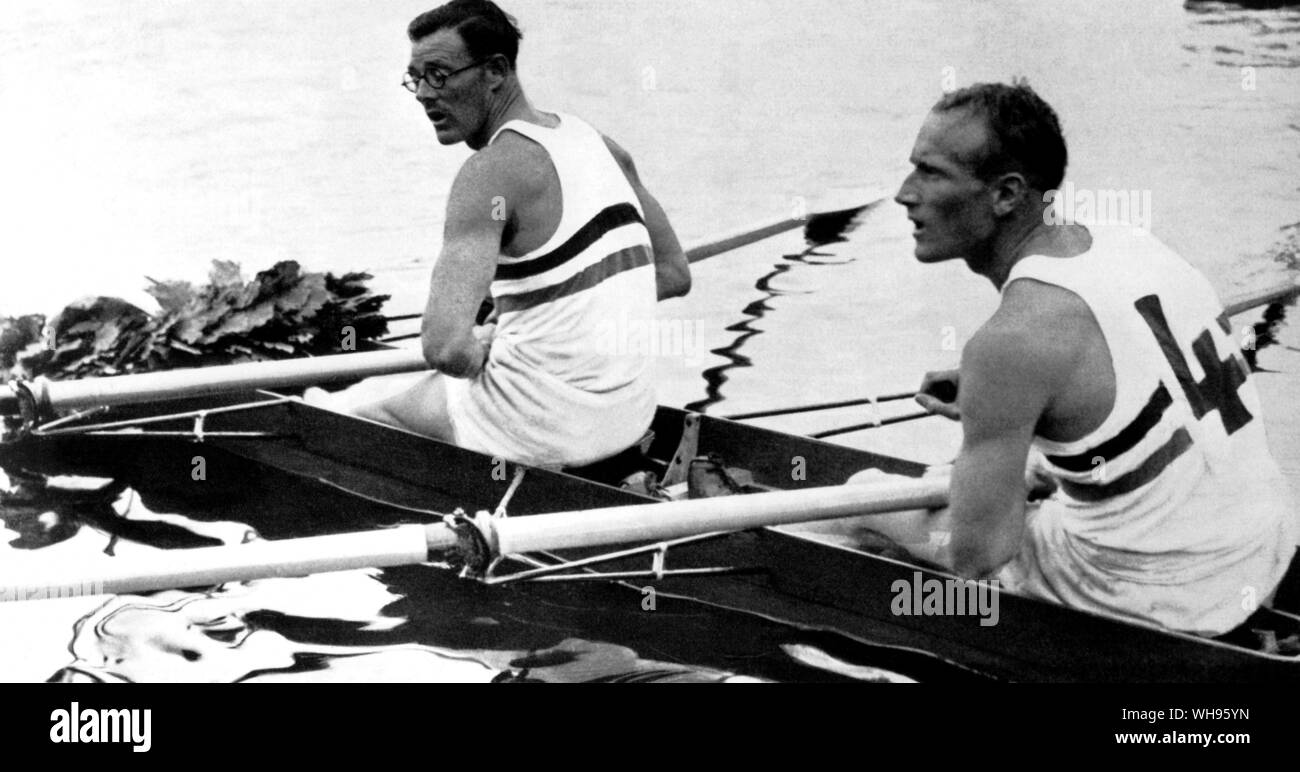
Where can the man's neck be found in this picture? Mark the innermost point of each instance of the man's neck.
(510, 105)
(1028, 235)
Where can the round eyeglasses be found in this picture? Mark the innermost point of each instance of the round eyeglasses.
(434, 77)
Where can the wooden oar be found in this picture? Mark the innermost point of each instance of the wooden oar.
(818, 406)
(1244, 302)
(763, 230)
(898, 419)
(412, 544)
(180, 384)
(174, 384)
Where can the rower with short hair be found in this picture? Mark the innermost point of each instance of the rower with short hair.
(550, 219)
(1111, 356)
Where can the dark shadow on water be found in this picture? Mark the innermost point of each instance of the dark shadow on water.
(821, 231)
(1265, 332)
(557, 632)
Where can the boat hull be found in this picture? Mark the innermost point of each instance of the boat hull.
(779, 574)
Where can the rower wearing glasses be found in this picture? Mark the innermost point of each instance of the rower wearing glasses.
(1111, 357)
(550, 220)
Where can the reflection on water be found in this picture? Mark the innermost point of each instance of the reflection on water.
(414, 623)
(280, 629)
(229, 635)
(821, 233)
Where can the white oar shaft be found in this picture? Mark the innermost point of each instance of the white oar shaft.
(670, 520)
(206, 566)
(412, 544)
(178, 384)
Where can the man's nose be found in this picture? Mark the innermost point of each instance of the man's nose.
(424, 92)
(906, 196)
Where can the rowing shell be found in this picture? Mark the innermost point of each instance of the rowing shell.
(795, 577)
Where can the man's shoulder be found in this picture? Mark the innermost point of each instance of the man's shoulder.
(512, 164)
(1037, 327)
(1035, 304)
(1005, 342)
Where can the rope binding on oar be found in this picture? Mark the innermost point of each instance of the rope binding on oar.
(28, 407)
(473, 555)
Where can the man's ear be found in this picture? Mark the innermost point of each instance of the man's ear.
(1009, 192)
(497, 69)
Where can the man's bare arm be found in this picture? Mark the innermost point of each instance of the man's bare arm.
(1010, 371)
(463, 274)
(672, 271)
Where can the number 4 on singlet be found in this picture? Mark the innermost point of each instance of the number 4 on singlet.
(1218, 390)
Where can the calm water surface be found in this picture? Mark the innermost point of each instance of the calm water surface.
(149, 139)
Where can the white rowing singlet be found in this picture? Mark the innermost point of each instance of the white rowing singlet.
(559, 388)
(1173, 510)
